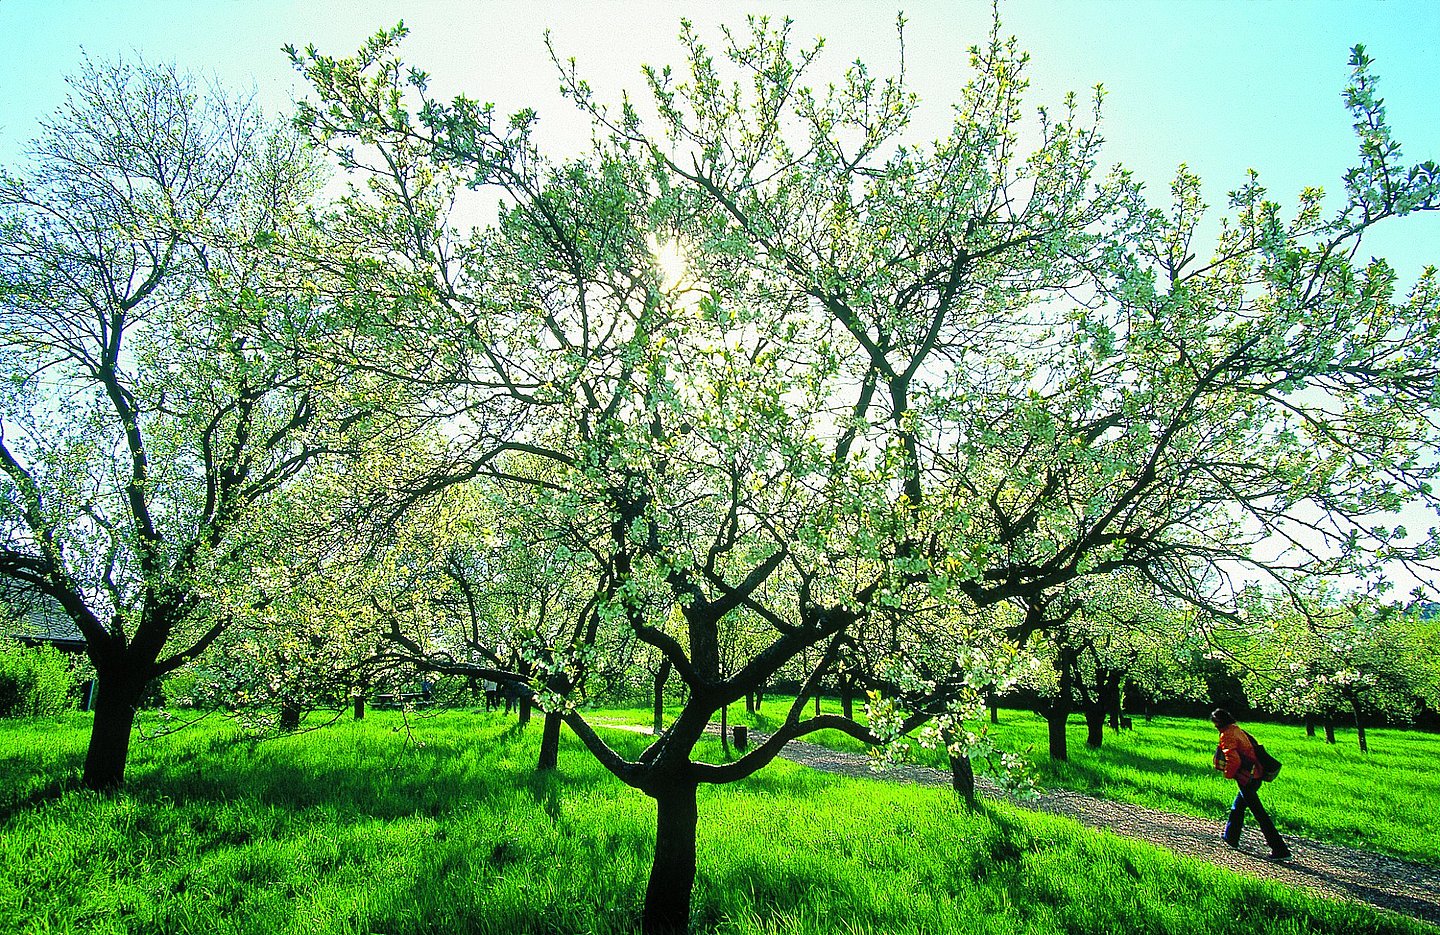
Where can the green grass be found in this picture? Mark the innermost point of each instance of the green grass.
(357, 829)
(1381, 801)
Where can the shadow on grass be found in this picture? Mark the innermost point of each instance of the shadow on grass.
(51, 792)
(776, 780)
(1153, 780)
(1088, 766)
(545, 788)
(513, 732)
(428, 780)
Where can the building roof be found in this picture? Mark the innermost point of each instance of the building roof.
(37, 619)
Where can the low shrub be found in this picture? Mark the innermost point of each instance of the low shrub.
(33, 681)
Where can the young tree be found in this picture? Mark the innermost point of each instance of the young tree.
(155, 390)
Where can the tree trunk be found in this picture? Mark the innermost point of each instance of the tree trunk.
(725, 730)
(115, 704)
(660, 676)
(817, 704)
(524, 709)
(1360, 730)
(1309, 727)
(847, 697)
(962, 774)
(550, 743)
(1104, 704)
(359, 707)
(993, 703)
(672, 873)
(1057, 715)
(289, 716)
(1055, 719)
(962, 777)
(1094, 727)
(1329, 730)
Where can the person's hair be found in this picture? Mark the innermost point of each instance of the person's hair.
(1221, 718)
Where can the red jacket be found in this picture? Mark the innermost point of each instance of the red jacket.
(1235, 756)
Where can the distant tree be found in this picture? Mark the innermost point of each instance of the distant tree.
(1423, 627)
(1107, 632)
(469, 584)
(1353, 657)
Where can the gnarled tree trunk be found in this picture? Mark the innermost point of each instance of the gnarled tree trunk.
(962, 777)
(1360, 729)
(1058, 713)
(962, 773)
(1094, 727)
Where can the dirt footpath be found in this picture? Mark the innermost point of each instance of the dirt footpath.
(1387, 882)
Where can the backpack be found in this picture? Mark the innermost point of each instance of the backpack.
(1269, 766)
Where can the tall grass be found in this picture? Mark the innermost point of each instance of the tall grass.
(445, 827)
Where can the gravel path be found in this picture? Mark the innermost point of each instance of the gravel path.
(1387, 882)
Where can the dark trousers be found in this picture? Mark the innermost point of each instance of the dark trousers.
(1249, 797)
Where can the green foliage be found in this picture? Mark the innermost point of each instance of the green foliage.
(33, 681)
(1352, 656)
(363, 828)
(790, 370)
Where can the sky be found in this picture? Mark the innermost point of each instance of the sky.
(1220, 85)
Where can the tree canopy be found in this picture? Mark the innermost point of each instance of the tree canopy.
(759, 383)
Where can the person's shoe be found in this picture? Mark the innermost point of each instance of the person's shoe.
(1233, 845)
(1283, 854)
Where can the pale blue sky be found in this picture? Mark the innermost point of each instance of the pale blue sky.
(1219, 84)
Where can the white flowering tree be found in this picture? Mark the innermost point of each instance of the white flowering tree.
(1106, 632)
(1357, 658)
(157, 389)
(800, 377)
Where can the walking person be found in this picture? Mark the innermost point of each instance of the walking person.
(1235, 757)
